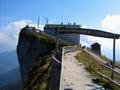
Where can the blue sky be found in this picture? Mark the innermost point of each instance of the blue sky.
(88, 12)
(101, 14)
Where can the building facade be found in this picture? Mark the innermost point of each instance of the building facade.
(51, 29)
(96, 47)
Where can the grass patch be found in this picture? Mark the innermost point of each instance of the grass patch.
(41, 36)
(39, 75)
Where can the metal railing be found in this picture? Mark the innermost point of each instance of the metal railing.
(59, 67)
(108, 78)
(55, 71)
(62, 71)
(111, 69)
(56, 59)
(68, 49)
(65, 49)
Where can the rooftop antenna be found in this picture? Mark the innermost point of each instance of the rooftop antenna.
(46, 20)
(38, 22)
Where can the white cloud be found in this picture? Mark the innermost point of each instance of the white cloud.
(2, 37)
(109, 24)
(84, 26)
(83, 43)
(9, 34)
(105, 43)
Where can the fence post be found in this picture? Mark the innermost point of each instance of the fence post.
(55, 75)
(113, 63)
(62, 72)
(57, 42)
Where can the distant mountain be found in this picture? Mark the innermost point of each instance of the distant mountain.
(9, 71)
(8, 61)
(12, 86)
(4, 47)
(10, 80)
(13, 75)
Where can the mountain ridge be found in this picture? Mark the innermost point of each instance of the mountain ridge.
(12, 76)
(8, 61)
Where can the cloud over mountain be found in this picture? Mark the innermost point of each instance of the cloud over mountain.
(9, 33)
(109, 24)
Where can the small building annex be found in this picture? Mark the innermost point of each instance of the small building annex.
(96, 48)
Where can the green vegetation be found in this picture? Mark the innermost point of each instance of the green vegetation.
(117, 65)
(39, 74)
(105, 58)
(41, 36)
(92, 66)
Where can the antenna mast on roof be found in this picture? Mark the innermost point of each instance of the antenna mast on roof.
(46, 20)
(38, 22)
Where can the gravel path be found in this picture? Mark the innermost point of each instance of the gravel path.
(75, 76)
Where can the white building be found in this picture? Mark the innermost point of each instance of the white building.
(74, 38)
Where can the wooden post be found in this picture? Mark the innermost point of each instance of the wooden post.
(80, 44)
(113, 63)
(57, 42)
(55, 75)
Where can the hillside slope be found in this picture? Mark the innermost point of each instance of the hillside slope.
(10, 77)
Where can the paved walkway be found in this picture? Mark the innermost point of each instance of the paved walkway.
(75, 76)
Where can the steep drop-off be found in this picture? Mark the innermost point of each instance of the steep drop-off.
(34, 56)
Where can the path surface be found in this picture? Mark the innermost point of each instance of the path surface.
(75, 76)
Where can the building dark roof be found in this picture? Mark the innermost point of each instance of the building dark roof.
(95, 44)
(53, 26)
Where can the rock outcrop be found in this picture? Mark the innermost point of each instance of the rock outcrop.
(30, 46)
(34, 55)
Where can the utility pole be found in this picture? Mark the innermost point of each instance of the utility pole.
(46, 20)
(113, 63)
(80, 42)
(38, 22)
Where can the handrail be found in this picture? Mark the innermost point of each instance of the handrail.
(64, 49)
(109, 68)
(56, 59)
(56, 68)
(108, 78)
(72, 48)
(62, 72)
(60, 62)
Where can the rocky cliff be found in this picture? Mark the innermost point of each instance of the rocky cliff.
(34, 56)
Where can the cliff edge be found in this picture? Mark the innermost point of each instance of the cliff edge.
(34, 56)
